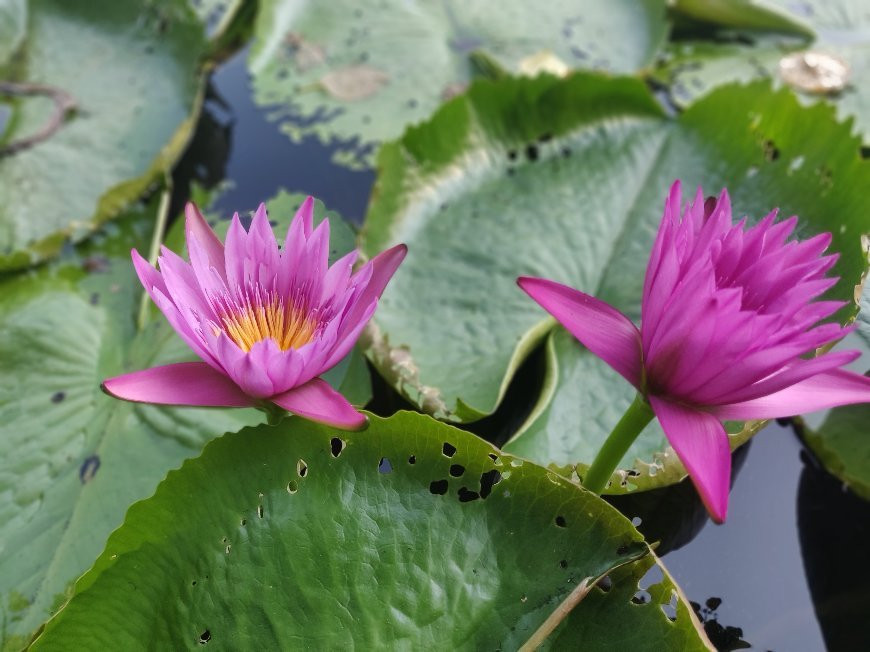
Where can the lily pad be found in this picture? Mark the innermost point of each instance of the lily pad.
(13, 26)
(410, 534)
(566, 179)
(842, 445)
(834, 63)
(104, 100)
(355, 75)
(72, 459)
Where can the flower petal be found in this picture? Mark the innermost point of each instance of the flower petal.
(600, 327)
(701, 444)
(210, 250)
(317, 401)
(822, 391)
(185, 383)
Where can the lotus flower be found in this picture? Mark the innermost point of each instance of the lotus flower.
(265, 322)
(727, 315)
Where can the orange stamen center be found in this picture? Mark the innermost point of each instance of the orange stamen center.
(249, 321)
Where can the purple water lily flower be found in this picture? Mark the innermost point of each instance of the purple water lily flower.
(727, 316)
(265, 322)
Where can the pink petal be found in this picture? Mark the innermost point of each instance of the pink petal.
(236, 255)
(381, 267)
(702, 446)
(825, 390)
(210, 250)
(317, 401)
(600, 327)
(185, 383)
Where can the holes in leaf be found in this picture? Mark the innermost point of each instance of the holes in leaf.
(243, 522)
(260, 511)
(623, 549)
(57, 397)
(385, 466)
(466, 495)
(412, 459)
(448, 449)
(228, 548)
(516, 463)
(532, 152)
(456, 470)
(292, 487)
(669, 609)
(487, 481)
(205, 637)
(193, 583)
(561, 522)
(605, 584)
(771, 151)
(438, 487)
(495, 459)
(89, 468)
(337, 446)
(302, 468)
(563, 563)
(641, 597)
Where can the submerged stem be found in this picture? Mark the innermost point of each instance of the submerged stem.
(631, 424)
(156, 241)
(274, 414)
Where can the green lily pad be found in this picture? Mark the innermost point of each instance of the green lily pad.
(566, 179)
(354, 75)
(13, 26)
(841, 29)
(117, 85)
(72, 459)
(409, 534)
(841, 444)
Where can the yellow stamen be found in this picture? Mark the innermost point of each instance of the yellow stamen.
(290, 326)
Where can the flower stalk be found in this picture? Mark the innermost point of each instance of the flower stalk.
(632, 423)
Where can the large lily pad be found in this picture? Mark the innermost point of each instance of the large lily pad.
(566, 179)
(841, 29)
(410, 534)
(355, 75)
(118, 87)
(72, 459)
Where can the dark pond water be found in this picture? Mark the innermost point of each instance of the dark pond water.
(792, 536)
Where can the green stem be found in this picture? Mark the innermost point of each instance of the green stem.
(274, 414)
(156, 241)
(631, 424)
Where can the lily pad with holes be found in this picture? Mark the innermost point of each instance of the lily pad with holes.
(350, 74)
(409, 534)
(837, 35)
(566, 179)
(72, 459)
(842, 444)
(103, 102)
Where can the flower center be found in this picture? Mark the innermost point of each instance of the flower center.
(259, 317)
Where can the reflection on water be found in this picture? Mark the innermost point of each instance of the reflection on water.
(834, 528)
(747, 576)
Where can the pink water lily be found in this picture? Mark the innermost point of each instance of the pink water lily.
(265, 321)
(728, 316)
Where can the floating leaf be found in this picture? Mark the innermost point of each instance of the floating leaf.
(132, 77)
(837, 59)
(72, 459)
(411, 534)
(13, 27)
(422, 50)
